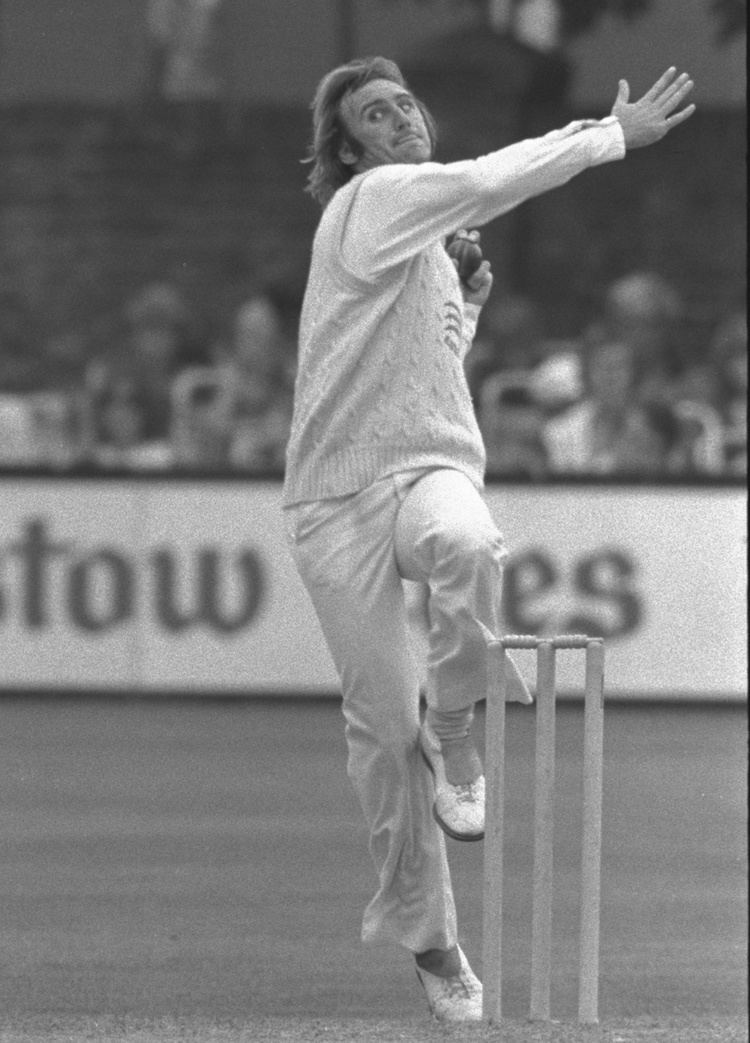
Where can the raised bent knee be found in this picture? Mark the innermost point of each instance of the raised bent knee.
(478, 549)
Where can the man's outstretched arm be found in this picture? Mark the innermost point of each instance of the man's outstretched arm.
(401, 208)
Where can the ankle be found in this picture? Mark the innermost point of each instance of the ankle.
(450, 724)
(443, 963)
(463, 765)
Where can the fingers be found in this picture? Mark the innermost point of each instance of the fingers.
(675, 94)
(680, 117)
(661, 84)
(669, 90)
(480, 276)
(479, 286)
(668, 86)
(673, 99)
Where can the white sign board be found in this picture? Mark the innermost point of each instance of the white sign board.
(188, 586)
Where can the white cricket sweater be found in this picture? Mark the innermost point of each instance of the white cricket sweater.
(384, 331)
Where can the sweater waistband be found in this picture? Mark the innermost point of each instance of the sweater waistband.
(349, 470)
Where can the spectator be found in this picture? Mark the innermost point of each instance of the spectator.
(508, 338)
(42, 428)
(586, 438)
(729, 352)
(700, 445)
(699, 383)
(710, 400)
(117, 430)
(159, 339)
(511, 425)
(202, 416)
(57, 423)
(556, 383)
(257, 362)
(514, 407)
(17, 435)
(642, 310)
(649, 441)
(37, 414)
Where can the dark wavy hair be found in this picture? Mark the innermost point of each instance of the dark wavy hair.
(329, 172)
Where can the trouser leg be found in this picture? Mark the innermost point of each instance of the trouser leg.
(345, 554)
(445, 537)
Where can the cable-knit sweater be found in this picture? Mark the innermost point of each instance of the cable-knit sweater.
(384, 330)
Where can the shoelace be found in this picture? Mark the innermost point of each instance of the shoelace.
(457, 987)
(466, 793)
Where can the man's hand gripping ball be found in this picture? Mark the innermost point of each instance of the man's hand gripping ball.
(473, 271)
(466, 253)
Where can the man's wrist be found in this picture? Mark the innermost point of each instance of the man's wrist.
(471, 318)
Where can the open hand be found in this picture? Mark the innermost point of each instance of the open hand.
(645, 121)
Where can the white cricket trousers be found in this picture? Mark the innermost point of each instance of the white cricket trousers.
(352, 553)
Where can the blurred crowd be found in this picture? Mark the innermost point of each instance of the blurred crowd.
(162, 388)
(162, 391)
(624, 397)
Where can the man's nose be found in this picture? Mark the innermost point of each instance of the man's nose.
(401, 118)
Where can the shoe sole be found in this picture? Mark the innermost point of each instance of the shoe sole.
(466, 837)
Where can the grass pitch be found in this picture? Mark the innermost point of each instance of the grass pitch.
(197, 871)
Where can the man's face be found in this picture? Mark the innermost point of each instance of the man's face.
(385, 119)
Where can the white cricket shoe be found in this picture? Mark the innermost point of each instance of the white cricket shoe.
(458, 807)
(453, 999)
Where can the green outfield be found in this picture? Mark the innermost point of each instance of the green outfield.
(197, 871)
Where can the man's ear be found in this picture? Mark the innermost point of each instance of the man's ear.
(346, 155)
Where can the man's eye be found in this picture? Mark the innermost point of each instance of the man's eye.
(407, 106)
(375, 115)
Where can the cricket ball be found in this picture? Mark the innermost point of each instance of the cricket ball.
(467, 254)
